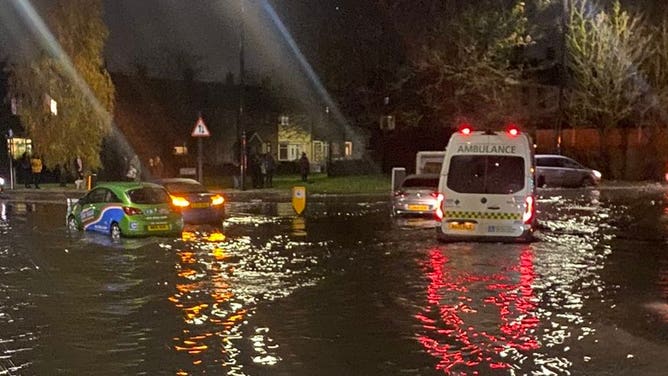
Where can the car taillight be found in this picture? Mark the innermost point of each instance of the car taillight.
(438, 213)
(180, 202)
(217, 200)
(529, 209)
(132, 211)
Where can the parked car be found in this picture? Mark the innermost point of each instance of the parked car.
(417, 195)
(125, 209)
(560, 171)
(197, 204)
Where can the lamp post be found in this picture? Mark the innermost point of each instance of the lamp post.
(241, 129)
(329, 143)
(10, 150)
(562, 71)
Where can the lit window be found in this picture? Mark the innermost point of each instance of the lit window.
(348, 149)
(284, 120)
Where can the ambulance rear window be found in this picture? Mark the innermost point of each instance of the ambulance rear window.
(486, 174)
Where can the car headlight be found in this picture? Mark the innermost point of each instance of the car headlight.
(2, 180)
(597, 174)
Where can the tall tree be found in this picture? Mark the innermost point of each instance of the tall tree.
(470, 67)
(606, 50)
(76, 80)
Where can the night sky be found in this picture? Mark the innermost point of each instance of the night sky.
(157, 33)
(162, 35)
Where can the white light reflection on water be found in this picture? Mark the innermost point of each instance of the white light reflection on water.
(15, 339)
(222, 281)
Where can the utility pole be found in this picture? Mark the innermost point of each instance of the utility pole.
(241, 129)
(562, 71)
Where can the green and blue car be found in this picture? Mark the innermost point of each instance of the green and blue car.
(126, 209)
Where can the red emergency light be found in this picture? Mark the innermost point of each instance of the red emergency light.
(512, 130)
(465, 129)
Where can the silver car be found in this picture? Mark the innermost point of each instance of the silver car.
(417, 195)
(554, 170)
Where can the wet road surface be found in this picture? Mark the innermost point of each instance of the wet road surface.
(344, 290)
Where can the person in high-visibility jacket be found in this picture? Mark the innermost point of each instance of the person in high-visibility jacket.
(36, 167)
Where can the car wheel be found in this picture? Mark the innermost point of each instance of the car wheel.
(115, 231)
(72, 223)
(541, 181)
(587, 182)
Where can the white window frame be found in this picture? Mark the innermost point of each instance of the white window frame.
(289, 152)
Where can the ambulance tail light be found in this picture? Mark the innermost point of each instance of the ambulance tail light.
(438, 213)
(512, 130)
(465, 129)
(529, 210)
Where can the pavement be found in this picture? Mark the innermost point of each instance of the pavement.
(57, 194)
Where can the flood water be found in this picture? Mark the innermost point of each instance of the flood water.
(344, 290)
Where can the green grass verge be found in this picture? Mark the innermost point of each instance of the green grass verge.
(317, 183)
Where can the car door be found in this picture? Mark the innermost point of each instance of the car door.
(108, 198)
(91, 209)
(573, 174)
(550, 171)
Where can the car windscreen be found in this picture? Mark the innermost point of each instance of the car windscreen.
(486, 174)
(420, 182)
(184, 187)
(149, 195)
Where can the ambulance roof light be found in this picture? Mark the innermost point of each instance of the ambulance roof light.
(465, 129)
(512, 130)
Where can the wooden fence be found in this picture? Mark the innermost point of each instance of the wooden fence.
(626, 154)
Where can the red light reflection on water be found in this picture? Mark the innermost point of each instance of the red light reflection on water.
(451, 321)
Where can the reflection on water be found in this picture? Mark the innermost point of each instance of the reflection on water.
(221, 281)
(342, 290)
(479, 321)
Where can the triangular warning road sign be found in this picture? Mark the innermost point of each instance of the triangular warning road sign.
(200, 129)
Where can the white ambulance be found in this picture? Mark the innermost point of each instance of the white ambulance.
(486, 186)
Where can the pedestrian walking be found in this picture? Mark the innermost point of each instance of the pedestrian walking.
(304, 166)
(270, 168)
(36, 169)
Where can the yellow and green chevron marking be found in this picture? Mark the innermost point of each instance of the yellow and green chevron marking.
(482, 215)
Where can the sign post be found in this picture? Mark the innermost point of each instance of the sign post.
(200, 131)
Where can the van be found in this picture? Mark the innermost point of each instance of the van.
(429, 162)
(486, 186)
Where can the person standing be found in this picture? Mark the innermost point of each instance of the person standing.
(134, 169)
(79, 168)
(26, 169)
(36, 168)
(270, 167)
(304, 166)
(159, 167)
